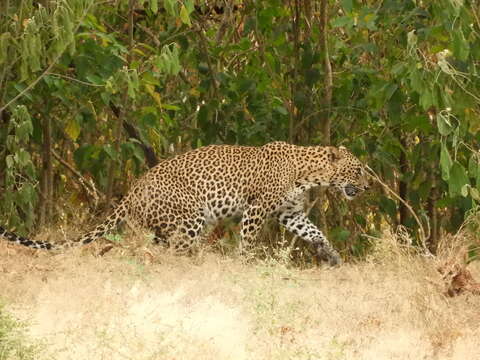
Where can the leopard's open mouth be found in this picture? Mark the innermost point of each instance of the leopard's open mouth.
(351, 190)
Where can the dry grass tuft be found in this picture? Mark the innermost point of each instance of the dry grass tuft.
(458, 280)
(139, 301)
(453, 256)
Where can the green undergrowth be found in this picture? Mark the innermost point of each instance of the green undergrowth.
(14, 344)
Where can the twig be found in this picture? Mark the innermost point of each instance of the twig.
(302, 279)
(149, 33)
(422, 233)
(155, 39)
(327, 68)
(74, 79)
(203, 45)
(50, 67)
(80, 179)
(222, 30)
(474, 12)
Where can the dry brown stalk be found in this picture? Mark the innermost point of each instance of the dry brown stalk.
(423, 235)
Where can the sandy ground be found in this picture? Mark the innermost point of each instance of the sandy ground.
(152, 305)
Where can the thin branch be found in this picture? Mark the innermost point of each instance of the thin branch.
(150, 33)
(474, 12)
(423, 235)
(327, 67)
(74, 79)
(50, 67)
(90, 188)
(203, 45)
(222, 29)
(117, 130)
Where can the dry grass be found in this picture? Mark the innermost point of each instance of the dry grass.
(136, 302)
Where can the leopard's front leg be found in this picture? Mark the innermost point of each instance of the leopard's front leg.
(253, 219)
(296, 221)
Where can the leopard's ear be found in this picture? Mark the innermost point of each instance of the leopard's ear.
(334, 154)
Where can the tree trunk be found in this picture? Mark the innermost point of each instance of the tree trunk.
(46, 181)
(148, 151)
(133, 133)
(117, 131)
(296, 113)
(325, 121)
(4, 72)
(432, 211)
(324, 125)
(402, 184)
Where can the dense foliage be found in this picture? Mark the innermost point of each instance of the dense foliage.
(93, 92)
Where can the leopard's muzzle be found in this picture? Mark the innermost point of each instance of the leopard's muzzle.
(350, 190)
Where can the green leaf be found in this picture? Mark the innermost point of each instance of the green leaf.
(388, 206)
(360, 219)
(10, 161)
(456, 136)
(458, 179)
(399, 68)
(154, 6)
(110, 152)
(426, 99)
(170, 7)
(132, 84)
(475, 194)
(414, 122)
(149, 78)
(24, 130)
(339, 234)
(12, 141)
(138, 153)
(72, 129)
(412, 40)
(23, 158)
(445, 162)
(416, 81)
(472, 166)
(461, 48)
(342, 21)
(26, 194)
(444, 125)
(390, 90)
(368, 19)
(281, 110)
(175, 61)
(4, 44)
(184, 16)
(190, 5)
(170, 107)
(477, 182)
(347, 5)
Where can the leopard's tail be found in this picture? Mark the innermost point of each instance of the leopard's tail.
(111, 222)
(10, 236)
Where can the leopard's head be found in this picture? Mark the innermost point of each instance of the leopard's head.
(349, 174)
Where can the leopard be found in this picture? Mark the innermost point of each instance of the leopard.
(184, 194)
